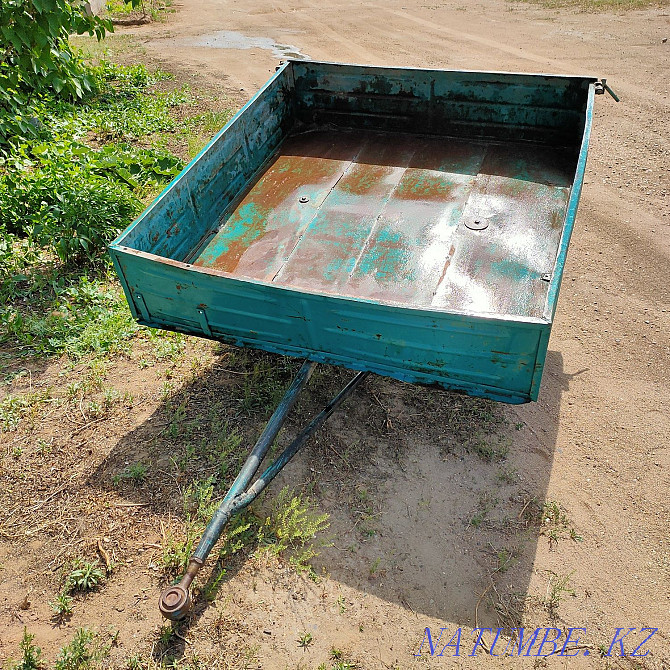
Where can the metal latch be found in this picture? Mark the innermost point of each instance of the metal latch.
(602, 86)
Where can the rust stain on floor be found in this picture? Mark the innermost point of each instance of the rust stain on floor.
(381, 216)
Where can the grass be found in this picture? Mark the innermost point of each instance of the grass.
(203, 127)
(288, 529)
(198, 508)
(557, 588)
(474, 424)
(153, 10)
(135, 473)
(292, 524)
(507, 476)
(77, 315)
(485, 505)
(505, 559)
(265, 384)
(65, 194)
(556, 525)
(68, 192)
(17, 408)
(84, 652)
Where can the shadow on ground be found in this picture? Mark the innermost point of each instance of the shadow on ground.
(434, 498)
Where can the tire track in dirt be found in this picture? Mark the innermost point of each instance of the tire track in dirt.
(484, 44)
(322, 29)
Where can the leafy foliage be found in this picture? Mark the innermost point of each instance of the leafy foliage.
(58, 193)
(84, 577)
(62, 606)
(31, 654)
(292, 524)
(85, 651)
(36, 57)
(76, 316)
(35, 43)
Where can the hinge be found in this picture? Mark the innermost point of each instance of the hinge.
(602, 86)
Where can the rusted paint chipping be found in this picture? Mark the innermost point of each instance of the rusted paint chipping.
(328, 221)
(383, 219)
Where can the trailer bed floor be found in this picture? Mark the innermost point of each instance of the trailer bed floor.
(419, 221)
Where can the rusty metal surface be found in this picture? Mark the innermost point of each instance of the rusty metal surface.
(383, 216)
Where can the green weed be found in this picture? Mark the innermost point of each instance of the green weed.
(505, 559)
(136, 473)
(556, 525)
(60, 194)
(341, 604)
(202, 128)
(478, 519)
(557, 588)
(292, 525)
(305, 640)
(84, 652)
(265, 382)
(84, 577)
(31, 654)
(77, 316)
(16, 408)
(62, 606)
(166, 345)
(485, 505)
(198, 509)
(507, 476)
(225, 449)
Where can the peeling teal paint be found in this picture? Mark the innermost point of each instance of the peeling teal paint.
(327, 221)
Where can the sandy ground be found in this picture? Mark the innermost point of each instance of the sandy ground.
(596, 442)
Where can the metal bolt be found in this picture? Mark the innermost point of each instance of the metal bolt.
(477, 224)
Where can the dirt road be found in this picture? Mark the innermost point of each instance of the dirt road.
(441, 522)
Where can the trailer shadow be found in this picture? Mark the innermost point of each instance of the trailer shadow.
(435, 499)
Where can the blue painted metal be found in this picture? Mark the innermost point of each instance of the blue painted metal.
(175, 600)
(338, 217)
(269, 433)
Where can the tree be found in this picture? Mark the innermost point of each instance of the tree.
(36, 57)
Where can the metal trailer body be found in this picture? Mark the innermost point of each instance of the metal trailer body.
(413, 223)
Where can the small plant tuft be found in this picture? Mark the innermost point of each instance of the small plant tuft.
(136, 473)
(62, 606)
(556, 525)
(83, 653)
(305, 640)
(292, 524)
(85, 577)
(557, 588)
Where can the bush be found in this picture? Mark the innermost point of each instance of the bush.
(69, 209)
(60, 194)
(36, 57)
